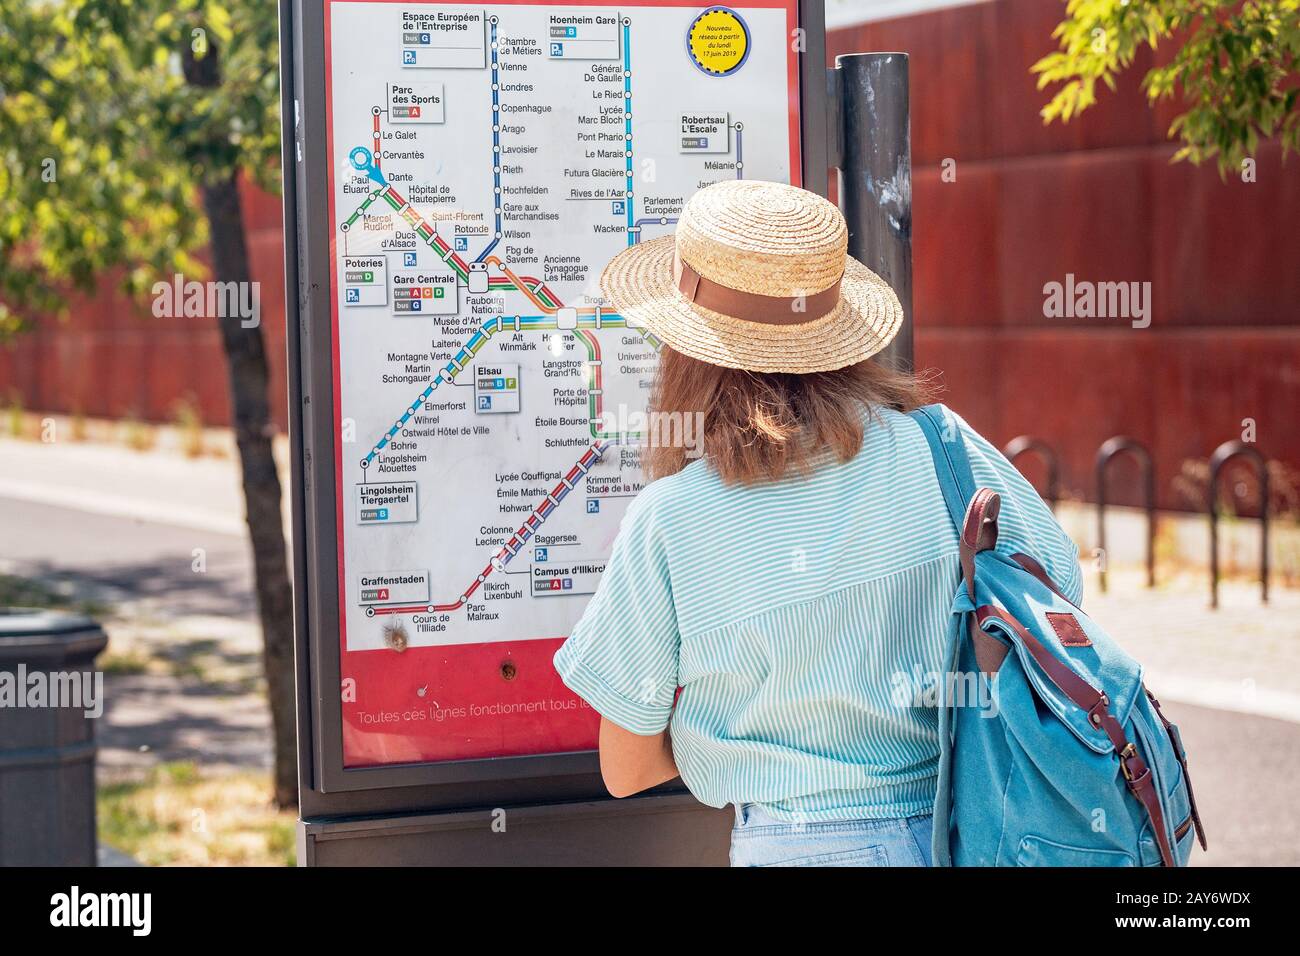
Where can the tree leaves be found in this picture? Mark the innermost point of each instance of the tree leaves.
(103, 143)
(1234, 68)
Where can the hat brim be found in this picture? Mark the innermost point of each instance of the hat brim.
(639, 283)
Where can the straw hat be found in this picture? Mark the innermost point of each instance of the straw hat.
(756, 277)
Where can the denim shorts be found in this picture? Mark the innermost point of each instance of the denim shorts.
(759, 840)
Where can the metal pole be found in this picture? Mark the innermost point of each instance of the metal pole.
(1222, 455)
(1109, 449)
(1023, 444)
(876, 175)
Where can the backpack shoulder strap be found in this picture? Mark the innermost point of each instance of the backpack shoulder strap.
(952, 468)
(951, 463)
(974, 512)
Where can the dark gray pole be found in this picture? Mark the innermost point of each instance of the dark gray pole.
(875, 161)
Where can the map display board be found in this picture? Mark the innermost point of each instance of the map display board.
(486, 162)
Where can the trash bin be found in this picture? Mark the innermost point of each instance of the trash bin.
(47, 740)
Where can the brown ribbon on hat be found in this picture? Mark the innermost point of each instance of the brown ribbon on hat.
(752, 306)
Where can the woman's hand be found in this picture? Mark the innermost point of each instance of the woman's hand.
(630, 763)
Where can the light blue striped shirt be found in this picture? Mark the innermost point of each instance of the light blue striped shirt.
(804, 620)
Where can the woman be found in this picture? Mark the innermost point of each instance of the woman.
(794, 581)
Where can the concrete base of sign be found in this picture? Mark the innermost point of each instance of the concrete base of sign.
(655, 830)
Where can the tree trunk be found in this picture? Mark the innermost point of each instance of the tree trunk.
(246, 363)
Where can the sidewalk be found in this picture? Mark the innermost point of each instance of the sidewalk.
(165, 487)
(1243, 657)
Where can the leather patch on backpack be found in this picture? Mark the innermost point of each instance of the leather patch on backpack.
(1068, 629)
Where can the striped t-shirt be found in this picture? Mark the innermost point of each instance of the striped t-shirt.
(804, 621)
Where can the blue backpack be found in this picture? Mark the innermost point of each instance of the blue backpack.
(1052, 752)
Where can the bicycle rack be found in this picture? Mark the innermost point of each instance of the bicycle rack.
(1109, 449)
(1023, 444)
(1222, 455)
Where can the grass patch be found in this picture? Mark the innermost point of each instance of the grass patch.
(14, 414)
(24, 592)
(138, 435)
(126, 664)
(180, 815)
(189, 422)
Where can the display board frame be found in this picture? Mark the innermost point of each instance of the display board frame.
(328, 785)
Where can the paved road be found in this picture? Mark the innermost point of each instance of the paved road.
(1244, 770)
(104, 555)
(205, 705)
(1243, 765)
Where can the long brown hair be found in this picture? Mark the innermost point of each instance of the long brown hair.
(760, 426)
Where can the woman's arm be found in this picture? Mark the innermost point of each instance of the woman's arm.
(630, 763)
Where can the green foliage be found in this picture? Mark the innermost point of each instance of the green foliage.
(1233, 66)
(16, 592)
(112, 113)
